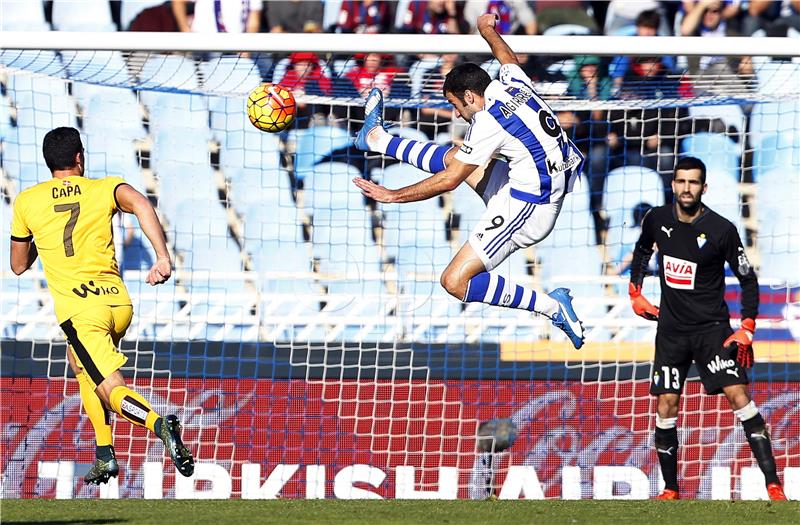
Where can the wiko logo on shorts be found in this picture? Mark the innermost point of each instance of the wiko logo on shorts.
(679, 273)
(94, 290)
(718, 364)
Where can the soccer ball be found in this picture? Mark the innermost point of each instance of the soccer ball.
(496, 435)
(271, 107)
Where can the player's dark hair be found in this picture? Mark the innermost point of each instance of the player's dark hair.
(60, 146)
(691, 163)
(649, 18)
(465, 77)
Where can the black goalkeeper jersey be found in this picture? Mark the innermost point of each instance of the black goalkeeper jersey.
(691, 267)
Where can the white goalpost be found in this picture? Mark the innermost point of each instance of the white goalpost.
(305, 341)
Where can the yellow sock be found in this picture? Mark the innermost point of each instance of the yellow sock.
(96, 411)
(133, 407)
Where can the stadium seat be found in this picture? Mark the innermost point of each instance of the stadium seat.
(201, 233)
(469, 208)
(268, 187)
(5, 119)
(114, 114)
(181, 182)
(293, 262)
(718, 152)
(23, 15)
(417, 73)
(408, 133)
(37, 61)
(778, 216)
(330, 187)
(178, 146)
(780, 151)
(166, 73)
(314, 144)
(730, 114)
(86, 15)
(242, 145)
(773, 118)
(723, 197)
(628, 186)
(40, 92)
(181, 112)
(264, 222)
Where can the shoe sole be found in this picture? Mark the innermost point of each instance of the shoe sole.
(361, 137)
(174, 429)
(568, 309)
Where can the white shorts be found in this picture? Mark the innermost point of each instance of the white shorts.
(509, 224)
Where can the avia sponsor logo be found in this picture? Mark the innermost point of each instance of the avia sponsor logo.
(679, 273)
(94, 290)
(718, 364)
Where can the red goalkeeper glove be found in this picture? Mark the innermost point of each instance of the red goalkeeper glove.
(641, 306)
(743, 339)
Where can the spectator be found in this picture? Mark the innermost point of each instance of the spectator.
(373, 70)
(294, 16)
(435, 120)
(157, 17)
(707, 17)
(647, 23)
(366, 16)
(771, 16)
(434, 17)
(220, 16)
(648, 79)
(514, 16)
(551, 13)
(306, 75)
(623, 15)
(587, 81)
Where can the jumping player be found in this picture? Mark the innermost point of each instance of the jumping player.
(69, 219)
(693, 322)
(523, 196)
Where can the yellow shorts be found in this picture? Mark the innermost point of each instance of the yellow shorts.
(93, 337)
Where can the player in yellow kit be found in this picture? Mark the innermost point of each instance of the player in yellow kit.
(67, 222)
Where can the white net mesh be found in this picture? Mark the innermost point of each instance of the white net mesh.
(305, 339)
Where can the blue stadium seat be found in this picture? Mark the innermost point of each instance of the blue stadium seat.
(723, 196)
(178, 111)
(730, 114)
(97, 67)
(718, 152)
(23, 15)
(330, 187)
(290, 258)
(468, 206)
(177, 146)
(628, 186)
(166, 73)
(269, 188)
(242, 145)
(271, 223)
(773, 118)
(313, 144)
(408, 133)
(6, 129)
(114, 113)
(779, 151)
(69, 15)
(181, 182)
(106, 156)
(778, 217)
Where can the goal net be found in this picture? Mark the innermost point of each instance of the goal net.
(305, 341)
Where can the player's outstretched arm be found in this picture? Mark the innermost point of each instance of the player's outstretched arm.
(438, 183)
(500, 50)
(23, 255)
(131, 201)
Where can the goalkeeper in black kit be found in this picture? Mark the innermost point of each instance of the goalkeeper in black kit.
(693, 321)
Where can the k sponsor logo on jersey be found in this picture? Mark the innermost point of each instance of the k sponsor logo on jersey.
(678, 273)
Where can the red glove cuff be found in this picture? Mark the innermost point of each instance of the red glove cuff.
(749, 325)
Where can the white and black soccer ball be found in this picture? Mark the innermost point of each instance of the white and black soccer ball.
(496, 435)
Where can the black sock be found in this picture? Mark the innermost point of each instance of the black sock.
(104, 452)
(157, 426)
(757, 436)
(666, 442)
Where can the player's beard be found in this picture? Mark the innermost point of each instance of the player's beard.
(689, 208)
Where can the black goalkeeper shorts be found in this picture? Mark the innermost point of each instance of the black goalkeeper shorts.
(675, 352)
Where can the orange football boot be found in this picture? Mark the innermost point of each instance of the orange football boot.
(669, 495)
(775, 492)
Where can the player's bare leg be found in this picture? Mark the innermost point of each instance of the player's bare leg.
(755, 428)
(466, 279)
(666, 443)
(105, 466)
(132, 406)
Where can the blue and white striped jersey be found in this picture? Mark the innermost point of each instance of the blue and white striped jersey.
(518, 125)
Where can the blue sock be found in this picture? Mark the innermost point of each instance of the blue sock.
(491, 289)
(427, 156)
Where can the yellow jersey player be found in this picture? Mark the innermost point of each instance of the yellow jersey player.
(67, 221)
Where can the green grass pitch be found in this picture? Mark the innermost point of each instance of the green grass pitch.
(219, 512)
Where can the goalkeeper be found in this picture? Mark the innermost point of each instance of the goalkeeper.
(523, 196)
(693, 321)
(69, 218)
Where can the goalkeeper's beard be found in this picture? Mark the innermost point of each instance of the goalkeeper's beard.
(691, 208)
